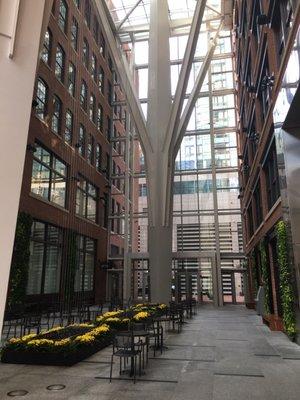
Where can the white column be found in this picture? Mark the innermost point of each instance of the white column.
(159, 108)
(21, 25)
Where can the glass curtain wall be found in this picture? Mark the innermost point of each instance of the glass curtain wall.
(206, 209)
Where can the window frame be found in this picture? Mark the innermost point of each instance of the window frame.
(83, 193)
(74, 34)
(71, 84)
(47, 243)
(46, 51)
(52, 172)
(42, 115)
(57, 116)
(69, 126)
(83, 97)
(60, 63)
(63, 19)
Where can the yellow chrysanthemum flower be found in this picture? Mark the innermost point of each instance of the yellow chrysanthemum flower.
(40, 342)
(141, 315)
(62, 342)
(113, 319)
(87, 338)
(162, 306)
(109, 314)
(27, 337)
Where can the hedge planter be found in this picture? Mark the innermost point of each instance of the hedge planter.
(50, 358)
(73, 343)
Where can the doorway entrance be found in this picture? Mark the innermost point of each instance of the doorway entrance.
(114, 288)
(233, 286)
(194, 276)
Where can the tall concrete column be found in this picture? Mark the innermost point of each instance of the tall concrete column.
(159, 107)
(22, 27)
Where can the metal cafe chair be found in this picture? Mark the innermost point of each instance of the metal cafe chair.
(142, 333)
(13, 321)
(96, 310)
(124, 347)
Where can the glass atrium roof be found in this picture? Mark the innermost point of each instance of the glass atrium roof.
(132, 17)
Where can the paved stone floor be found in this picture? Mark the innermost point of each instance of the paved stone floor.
(221, 354)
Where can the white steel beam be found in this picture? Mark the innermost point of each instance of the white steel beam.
(185, 73)
(185, 117)
(128, 15)
(159, 103)
(125, 77)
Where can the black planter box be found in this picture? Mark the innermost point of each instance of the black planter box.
(47, 358)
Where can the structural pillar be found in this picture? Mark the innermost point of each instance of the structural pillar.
(22, 27)
(159, 107)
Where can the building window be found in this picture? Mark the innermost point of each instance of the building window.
(56, 117)
(49, 176)
(250, 221)
(45, 259)
(85, 53)
(105, 210)
(110, 64)
(86, 200)
(109, 94)
(71, 79)
(90, 149)
(119, 180)
(100, 118)
(94, 67)
(257, 205)
(46, 52)
(96, 30)
(107, 167)
(83, 95)
(87, 12)
(98, 157)
(74, 34)
(63, 16)
(272, 177)
(119, 214)
(41, 98)
(101, 80)
(59, 63)
(108, 129)
(142, 190)
(112, 221)
(69, 127)
(81, 141)
(102, 45)
(92, 109)
(85, 265)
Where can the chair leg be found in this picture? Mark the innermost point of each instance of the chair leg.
(147, 350)
(111, 367)
(134, 369)
(140, 366)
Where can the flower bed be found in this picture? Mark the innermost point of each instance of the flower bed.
(57, 347)
(73, 343)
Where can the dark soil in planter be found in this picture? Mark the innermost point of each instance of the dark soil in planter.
(65, 333)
